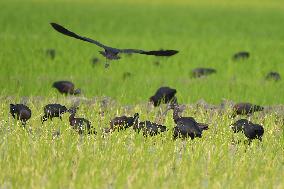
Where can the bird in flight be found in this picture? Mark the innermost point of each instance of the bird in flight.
(111, 53)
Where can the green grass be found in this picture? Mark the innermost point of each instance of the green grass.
(206, 34)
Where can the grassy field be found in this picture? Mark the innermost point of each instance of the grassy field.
(207, 34)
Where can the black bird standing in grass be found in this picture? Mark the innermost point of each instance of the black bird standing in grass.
(273, 76)
(245, 108)
(66, 87)
(188, 127)
(163, 95)
(122, 122)
(241, 55)
(185, 126)
(53, 110)
(149, 128)
(251, 130)
(126, 75)
(199, 72)
(111, 53)
(51, 53)
(20, 112)
(95, 61)
(82, 125)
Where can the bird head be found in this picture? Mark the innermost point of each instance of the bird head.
(73, 110)
(77, 91)
(136, 115)
(12, 108)
(153, 100)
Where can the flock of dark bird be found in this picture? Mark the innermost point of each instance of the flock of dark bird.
(185, 127)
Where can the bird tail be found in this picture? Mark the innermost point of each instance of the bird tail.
(203, 126)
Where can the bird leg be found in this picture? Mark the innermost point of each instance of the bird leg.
(106, 64)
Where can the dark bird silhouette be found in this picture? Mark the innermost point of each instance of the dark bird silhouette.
(126, 75)
(111, 53)
(123, 122)
(66, 87)
(246, 109)
(273, 76)
(199, 72)
(251, 130)
(81, 125)
(163, 95)
(20, 112)
(50, 53)
(241, 55)
(156, 63)
(185, 126)
(149, 128)
(53, 110)
(95, 61)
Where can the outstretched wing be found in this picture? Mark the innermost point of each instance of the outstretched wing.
(154, 53)
(65, 31)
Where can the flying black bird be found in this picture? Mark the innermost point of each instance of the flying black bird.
(111, 53)
(123, 122)
(81, 125)
(273, 76)
(251, 130)
(149, 128)
(246, 109)
(66, 87)
(199, 72)
(163, 95)
(53, 110)
(20, 112)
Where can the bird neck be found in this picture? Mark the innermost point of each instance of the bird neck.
(176, 115)
(71, 117)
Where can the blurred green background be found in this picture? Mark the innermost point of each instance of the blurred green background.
(207, 34)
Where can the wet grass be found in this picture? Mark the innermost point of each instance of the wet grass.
(206, 34)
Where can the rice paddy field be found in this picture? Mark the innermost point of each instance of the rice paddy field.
(206, 33)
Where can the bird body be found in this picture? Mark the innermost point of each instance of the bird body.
(251, 130)
(163, 95)
(241, 55)
(254, 131)
(53, 110)
(111, 53)
(149, 128)
(20, 112)
(199, 72)
(186, 126)
(273, 76)
(123, 122)
(66, 87)
(81, 125)
(51, 53)
(246, 108)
